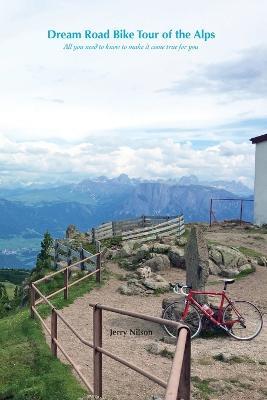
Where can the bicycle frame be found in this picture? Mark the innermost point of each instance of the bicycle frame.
(218, 322)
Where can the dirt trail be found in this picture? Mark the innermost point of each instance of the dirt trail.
(248, 379)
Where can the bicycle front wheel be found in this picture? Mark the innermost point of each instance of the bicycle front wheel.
(243, 319)
(174, 312)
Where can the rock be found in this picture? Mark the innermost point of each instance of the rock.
(124, 289)
(109, 254)
(126, 250)
(160, 248)
(169, 340)
(158, 263)
(153, 348)
(231, 257)
(156, 284)
(182, 241)
(131, 289)
(142, 253)
(262, 261)
(197, 262)
(254, 264)
(229, 272)
(177, 257)
(246, 267)
(71, 231)
(216, 256)
(144, 272)
(213, 268)
(114, 253)
(159, 348)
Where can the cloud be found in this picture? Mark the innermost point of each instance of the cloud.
(245, 76)
(59, 101)
(49, 162)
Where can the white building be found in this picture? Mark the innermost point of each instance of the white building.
(260, 189)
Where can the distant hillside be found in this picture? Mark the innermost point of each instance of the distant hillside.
(113, 200)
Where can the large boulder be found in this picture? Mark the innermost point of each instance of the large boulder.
(214, 269)
(144, 272)
(231, 257)
(228, 261)
(177, 257)
(71, 231)
(160, 248)
(216, 256)
(142, 253)
(131, 289)
(158, 263)
(262, 261)
(156, 283)
(126, 250)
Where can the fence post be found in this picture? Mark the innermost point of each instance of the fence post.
(56, 254)
(113, 228)
(184, 384)
(93, 235)
(81, 258)
(143, 221)
(241, 212)
(66, 283)
(210, 212)
(53, 332)
(97, 321)
(98, 246)
(98, 266)
(32, 299)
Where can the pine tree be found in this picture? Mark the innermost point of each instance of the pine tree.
(43, 259)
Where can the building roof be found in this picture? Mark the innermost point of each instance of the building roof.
(259, 139)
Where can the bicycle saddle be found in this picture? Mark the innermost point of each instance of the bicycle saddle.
(228, 281)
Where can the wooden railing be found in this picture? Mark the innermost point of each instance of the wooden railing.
(141, 229)
(178, 385)
(64, 252)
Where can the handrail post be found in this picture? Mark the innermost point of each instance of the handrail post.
(32, 299)
(66, 283)
(53, 332)
(185, 377)
(82, 266)
(97, 326)
(98, 267)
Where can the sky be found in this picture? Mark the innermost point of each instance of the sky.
(70, 115)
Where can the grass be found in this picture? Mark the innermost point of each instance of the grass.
(114, 241)
(256, 231)
(79, 290)
(250, 252)
(166, 353)
(202, 385)
(28, 371)
(233, 359)
(10, 287)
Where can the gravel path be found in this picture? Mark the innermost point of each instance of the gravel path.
(229, 380)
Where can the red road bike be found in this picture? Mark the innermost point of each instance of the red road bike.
(240, 319)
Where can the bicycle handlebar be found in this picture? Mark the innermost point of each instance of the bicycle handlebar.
(175, 287)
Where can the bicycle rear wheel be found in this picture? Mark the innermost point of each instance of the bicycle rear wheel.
(174, 312)
(243, 319)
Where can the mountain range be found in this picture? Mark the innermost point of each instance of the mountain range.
(30, 211)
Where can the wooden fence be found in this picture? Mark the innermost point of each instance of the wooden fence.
(178, 385)
(64, 252)
(141, 229)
